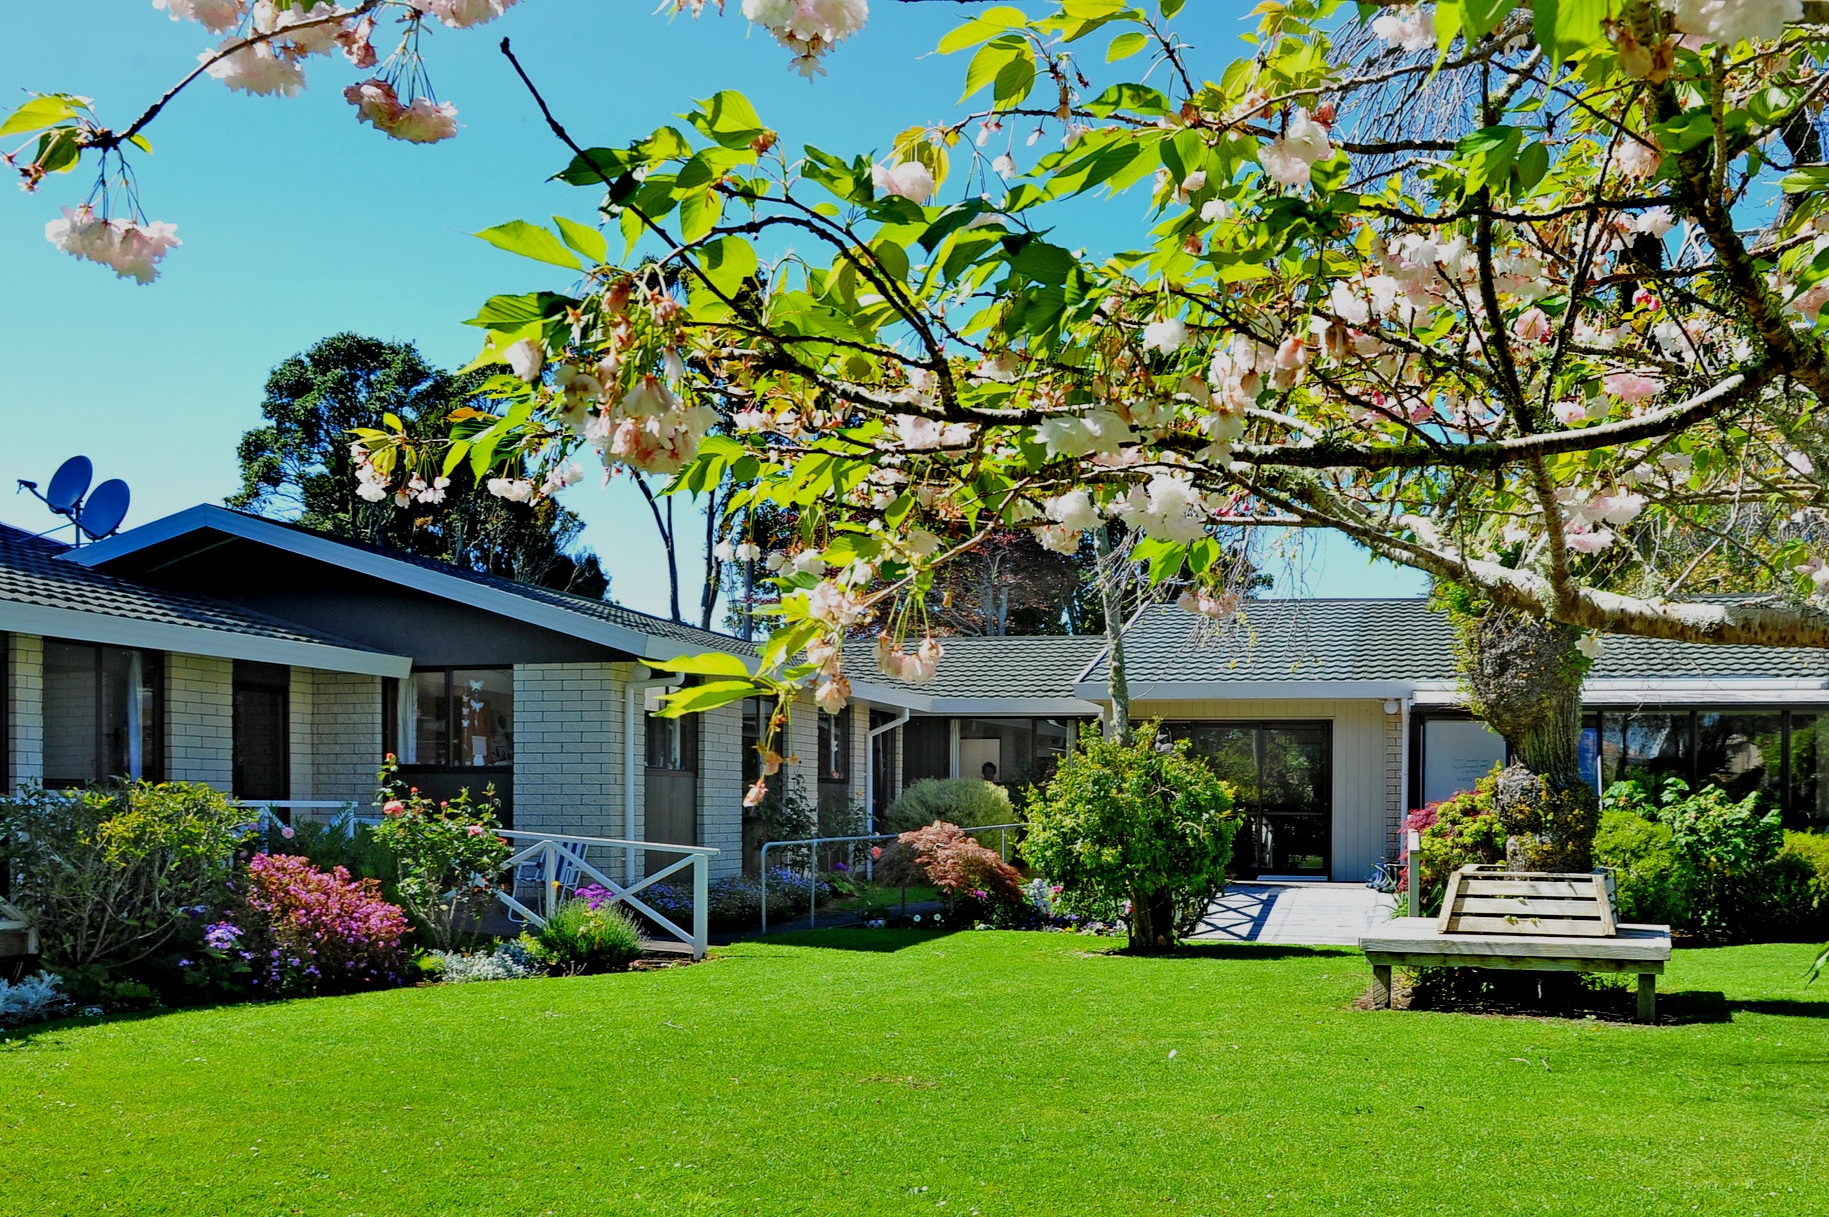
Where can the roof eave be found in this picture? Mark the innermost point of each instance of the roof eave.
(110, 630)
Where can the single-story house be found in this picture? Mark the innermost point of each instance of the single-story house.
(281, 664)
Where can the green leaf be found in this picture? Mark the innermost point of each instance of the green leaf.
(530, 241)
(729, 119)
(1567, 27)
(44, 110)
(696, 699)
(1805, 181)
(1690, 129)
(585, 239)
(1481, 17)
(1140, 100)
(710, 663)
(992, 58)
(1125, 45)
(1487, 155)
(730, 263)
(985, 25)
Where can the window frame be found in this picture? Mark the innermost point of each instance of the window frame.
(394, 731)
(152, 742)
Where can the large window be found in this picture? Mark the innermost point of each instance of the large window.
(456, 718)
(1012, 751)
(1282, 780)
(101, 714)
(673, 743)
(834, 741)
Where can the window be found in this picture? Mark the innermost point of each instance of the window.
(673, 743)
(101, 714)
(755, 718)
(457, 718)
(260, 736)
(835, 747)
(1013, 751)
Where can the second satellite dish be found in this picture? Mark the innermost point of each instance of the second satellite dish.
(104, 510)
(69, 484)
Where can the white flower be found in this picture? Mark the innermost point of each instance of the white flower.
(1215, 209)
(809, 28)
(1289, 159)
(832, 694)
(832, 604)
(806, 562)
(1656, 222)
(1058, 538)
(917, 434)
(1000, 368)
(132, 250)
(1165, 335)
(724, 551)
(461, 14)
(910, 180)
(1618, 509)
(1408, 29)
(254, 68)
(748, 551)
(526, 358)
(1585, 540)
(921, 543)
(1800, 462)
(1589, 645)
(1004, 166)
(1073, 511)
(422, 122)
(515, 490)
(216, 16)
(1730, 21)
(1636, 158)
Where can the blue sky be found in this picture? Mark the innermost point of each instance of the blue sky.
(297, 223)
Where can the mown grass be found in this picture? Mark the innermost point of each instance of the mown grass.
(881, 1072)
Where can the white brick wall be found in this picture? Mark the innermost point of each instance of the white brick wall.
(199, 720)
(721, 786)
(568, 748)
(344, 735)
(301, 760)
(25, 711)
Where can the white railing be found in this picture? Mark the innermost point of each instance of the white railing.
(343, 812)
(562, 862)
(1003, 849)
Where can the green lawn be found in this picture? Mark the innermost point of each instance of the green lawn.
(991, 1073)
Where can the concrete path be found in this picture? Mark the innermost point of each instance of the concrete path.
(1295, 913)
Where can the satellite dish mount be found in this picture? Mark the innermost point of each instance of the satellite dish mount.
(93, 515)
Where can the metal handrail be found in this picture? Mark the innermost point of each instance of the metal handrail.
(551, 852)
(813, 861)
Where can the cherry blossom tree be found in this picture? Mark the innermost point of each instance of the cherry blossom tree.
(1536, 353)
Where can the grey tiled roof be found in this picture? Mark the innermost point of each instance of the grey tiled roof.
(1022, 666)
(1393, 640)
(33, 571)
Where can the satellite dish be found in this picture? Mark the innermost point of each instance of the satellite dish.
(69, 484)
(104, 510)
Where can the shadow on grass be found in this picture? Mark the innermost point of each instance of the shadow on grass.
(1196, 951)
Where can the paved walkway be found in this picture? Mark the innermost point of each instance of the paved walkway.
(1305, 914)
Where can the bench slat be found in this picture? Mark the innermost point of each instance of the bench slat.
(1529, 906)
(1484, 885)
(1553, 927)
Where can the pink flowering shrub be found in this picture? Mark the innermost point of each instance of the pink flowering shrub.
(303, 932)
(448, 852)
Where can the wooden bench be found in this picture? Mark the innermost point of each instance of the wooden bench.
(1521, 921)
(18, 936)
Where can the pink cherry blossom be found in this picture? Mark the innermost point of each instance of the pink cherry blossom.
(133, 250)
(910, 180)
(1632, 388)
(216, 16)
(422, 122)
(254, 68)
(462, 14)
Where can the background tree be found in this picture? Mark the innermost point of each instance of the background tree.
(298, 466)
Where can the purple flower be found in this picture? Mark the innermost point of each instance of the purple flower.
(222, 936)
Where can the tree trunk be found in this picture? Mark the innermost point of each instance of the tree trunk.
(1524, 676)
(1118, 727)
(1152, 921)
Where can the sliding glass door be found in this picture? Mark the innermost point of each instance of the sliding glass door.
(1282, 777)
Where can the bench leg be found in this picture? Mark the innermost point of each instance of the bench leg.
(1647, 997)
(1381, 986)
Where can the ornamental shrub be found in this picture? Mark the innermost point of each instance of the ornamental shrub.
(304, 932)
(1651, 888)
(972, 879)
(1456, 832)
(32, 999)
(114, 876)
(504, 961)
(447, 853)
(1142, 822)
(967, 802)
(579, 939)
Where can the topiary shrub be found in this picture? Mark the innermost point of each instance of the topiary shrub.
(967, 802)
(580, 938)
(1140, 822)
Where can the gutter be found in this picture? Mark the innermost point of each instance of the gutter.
(870, 777)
